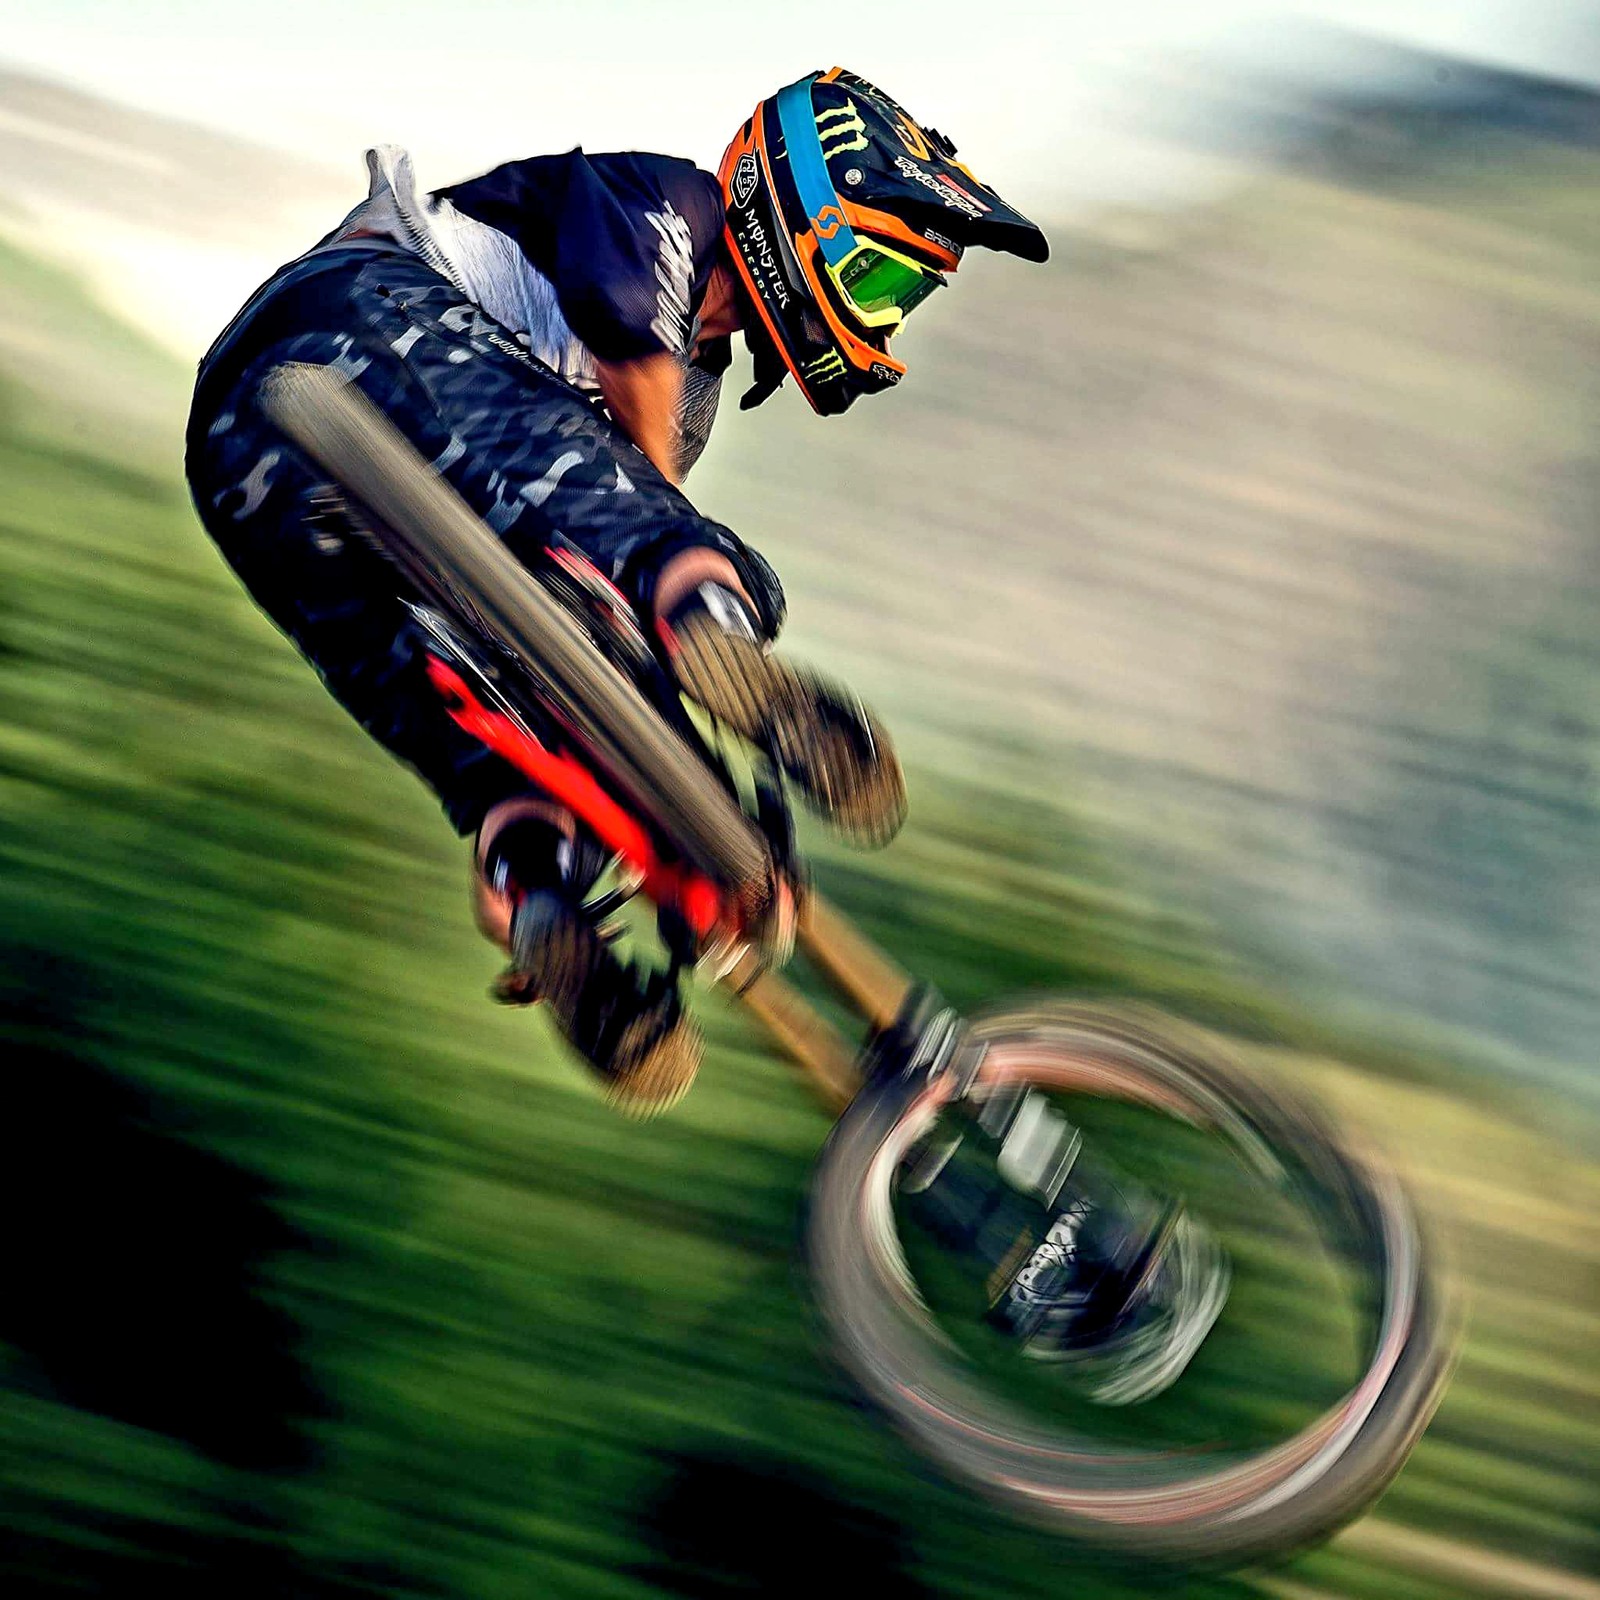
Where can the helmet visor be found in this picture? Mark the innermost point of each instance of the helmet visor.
(881, 285)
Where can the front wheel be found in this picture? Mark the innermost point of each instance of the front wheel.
(1284, 1429)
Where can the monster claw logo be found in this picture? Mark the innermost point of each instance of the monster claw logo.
(839, 137)
(826, 367)
(833, 217)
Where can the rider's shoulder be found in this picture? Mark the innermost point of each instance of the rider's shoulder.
(646, 170)
(578, 178)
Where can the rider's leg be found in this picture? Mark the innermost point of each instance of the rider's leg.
(527, 452)
(265, 506)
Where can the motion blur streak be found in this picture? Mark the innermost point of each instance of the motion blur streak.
(1231, 588)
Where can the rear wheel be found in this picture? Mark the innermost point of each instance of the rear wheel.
(1248, 1459)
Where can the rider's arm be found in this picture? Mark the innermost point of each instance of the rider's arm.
(645, 395)
(628, 242)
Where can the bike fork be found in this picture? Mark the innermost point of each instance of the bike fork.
(855, 969)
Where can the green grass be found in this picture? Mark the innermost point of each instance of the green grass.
(325, 1277)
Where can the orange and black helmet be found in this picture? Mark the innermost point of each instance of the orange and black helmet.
(842, 216)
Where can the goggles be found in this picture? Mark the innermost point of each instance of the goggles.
(879, 284)
(882, 286)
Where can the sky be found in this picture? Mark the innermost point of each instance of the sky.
(469, 83)
(1064, 107)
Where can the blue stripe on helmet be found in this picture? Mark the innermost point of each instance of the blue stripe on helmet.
(803, 146)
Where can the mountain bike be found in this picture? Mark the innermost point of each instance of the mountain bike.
(1080, 1257)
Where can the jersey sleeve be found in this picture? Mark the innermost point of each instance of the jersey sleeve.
(627, 241)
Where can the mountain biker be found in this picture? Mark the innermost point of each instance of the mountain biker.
(552, 336)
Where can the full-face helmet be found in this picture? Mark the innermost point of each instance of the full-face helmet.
(843, 215)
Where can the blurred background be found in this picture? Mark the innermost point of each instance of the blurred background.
(1232, 584)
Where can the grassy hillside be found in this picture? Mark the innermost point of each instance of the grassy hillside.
(326, 1278)
(72, 372)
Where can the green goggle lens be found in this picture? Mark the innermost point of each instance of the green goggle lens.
(877, 282)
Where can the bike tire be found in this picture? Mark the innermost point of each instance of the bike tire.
(1199, 1507)
(435, 536)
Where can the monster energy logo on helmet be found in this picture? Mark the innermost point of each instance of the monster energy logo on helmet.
(839, 137)
(828, 365)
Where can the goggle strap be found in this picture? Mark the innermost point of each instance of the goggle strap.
(809, 170)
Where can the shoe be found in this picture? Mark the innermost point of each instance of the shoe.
(826, 741)
(632, 1032)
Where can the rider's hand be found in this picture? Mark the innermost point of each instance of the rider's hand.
(645, 396)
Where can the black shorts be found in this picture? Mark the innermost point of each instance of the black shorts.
(527, 451)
